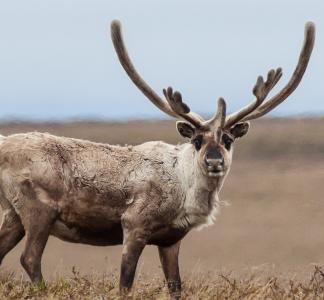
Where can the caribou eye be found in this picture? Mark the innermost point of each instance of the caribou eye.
(197, 141)
(227, 140)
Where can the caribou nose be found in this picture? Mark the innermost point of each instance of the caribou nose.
(215, 163)
(214, 158)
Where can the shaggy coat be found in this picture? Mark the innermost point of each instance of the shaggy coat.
(92, 188)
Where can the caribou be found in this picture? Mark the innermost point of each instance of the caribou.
(154, 193)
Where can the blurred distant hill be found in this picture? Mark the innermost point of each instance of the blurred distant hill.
(267, 138)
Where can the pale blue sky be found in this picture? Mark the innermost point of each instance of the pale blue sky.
(57, 60)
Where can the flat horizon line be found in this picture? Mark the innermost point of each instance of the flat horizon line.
(97, 119)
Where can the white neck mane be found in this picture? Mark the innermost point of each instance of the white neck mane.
(200, 193)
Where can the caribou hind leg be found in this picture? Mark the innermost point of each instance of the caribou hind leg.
(11, 231)
(38, 228)
(38, 214)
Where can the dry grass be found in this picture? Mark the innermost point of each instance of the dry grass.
(275, 219)
(198, 287)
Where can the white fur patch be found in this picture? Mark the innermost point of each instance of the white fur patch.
(200, 204)
(196, 219)
(45, 198)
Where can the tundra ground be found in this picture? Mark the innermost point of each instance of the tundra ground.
(197, 287)
(265, 243)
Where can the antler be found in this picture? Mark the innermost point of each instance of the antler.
(260, 91)
(174, 106)
(256, 109)
(218, 120)
(180, 108)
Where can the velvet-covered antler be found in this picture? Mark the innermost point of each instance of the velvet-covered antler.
(260, 108)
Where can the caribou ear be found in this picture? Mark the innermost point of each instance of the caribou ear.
(185, 129)
(240, 129)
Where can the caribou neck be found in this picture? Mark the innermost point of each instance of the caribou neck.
(200, 193)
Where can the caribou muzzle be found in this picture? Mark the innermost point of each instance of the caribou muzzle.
(214, 161)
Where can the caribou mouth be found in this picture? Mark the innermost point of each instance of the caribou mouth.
(215, 171)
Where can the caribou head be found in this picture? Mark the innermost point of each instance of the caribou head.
(213, 139)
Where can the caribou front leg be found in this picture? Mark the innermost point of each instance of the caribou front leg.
(133, 245)
(169, 260)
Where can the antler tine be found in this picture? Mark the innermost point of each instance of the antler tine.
(260, 90)
(294, 80)
(218, 120)
(128, 66)
(180, 108)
